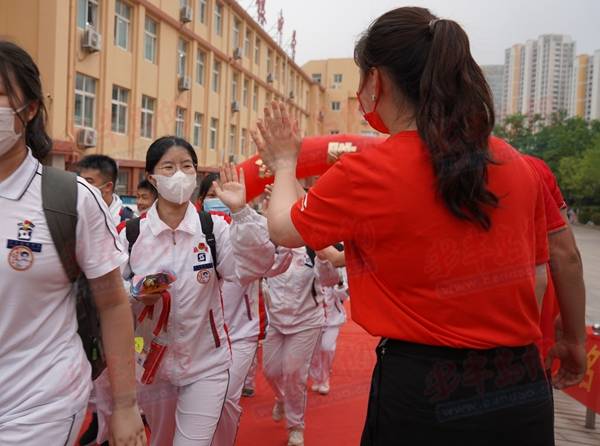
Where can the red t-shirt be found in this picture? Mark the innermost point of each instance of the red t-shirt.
(550, 307)
(418, 273)
(548, 178)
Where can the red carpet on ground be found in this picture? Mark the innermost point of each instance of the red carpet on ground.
(332, 420)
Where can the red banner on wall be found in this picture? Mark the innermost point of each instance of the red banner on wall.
(587, 392)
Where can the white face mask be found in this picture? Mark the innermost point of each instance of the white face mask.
(8, 136)
(177, 188)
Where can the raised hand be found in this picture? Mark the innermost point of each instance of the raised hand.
(232, 190)
(279, 142)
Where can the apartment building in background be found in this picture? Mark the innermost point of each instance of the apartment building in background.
(494, 74)
(338, 108)
(538, 76)
(117, 74)
(512, 78)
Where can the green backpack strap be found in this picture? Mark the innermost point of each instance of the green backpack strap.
(59, 200)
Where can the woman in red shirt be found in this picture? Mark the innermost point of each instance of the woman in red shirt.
(454, 289)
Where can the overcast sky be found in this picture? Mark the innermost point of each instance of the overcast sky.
(329, 28)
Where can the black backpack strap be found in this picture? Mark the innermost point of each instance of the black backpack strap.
(311, 254)
(132, 231)
(207, 224)
(59, 200)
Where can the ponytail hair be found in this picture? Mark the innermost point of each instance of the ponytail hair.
(19, 72)
(429, 61)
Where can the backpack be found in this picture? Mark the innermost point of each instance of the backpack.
(126, 213)
(132, 232)
(59, 201)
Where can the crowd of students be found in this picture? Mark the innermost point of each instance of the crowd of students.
(185, 289)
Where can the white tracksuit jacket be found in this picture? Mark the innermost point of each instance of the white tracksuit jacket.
(293, 303)
(198, 344)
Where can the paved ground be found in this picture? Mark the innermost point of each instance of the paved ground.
(570, 415)
(588, 240)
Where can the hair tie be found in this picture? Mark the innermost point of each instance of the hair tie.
(432, 24)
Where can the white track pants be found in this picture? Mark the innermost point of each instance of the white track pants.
(187, 415)
(59, 433)
(243, 352)
(286, 360)
(322, 361)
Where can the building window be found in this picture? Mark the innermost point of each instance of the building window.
(257, 51)
(277, 64)
(216, 76)
(234, 86)
(198, 118)
(180, 122)
(236, 33)
(88, 14)
(247, 38)
(243, 141)
(182, 57)
(122, 186)
(85, 101)
(122, 24)
(245, 92)
(120, 99)
(214, 135)
(336, 106)
(202, 7)
(200, 66)
(150, 39)
(219, 19)
(232, 138)
(148, 106)
(255, 98)
(337, 78)
(269, 61)
(316, 77)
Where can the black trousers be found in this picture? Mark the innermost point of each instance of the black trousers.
(424, 395)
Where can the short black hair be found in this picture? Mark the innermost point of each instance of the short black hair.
(145, 184)
(161, 146)
(105, 164)
(206, 183)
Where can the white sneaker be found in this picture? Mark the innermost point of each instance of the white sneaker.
(324, 389)
(315, 387)
(296, 438)
(278, 411)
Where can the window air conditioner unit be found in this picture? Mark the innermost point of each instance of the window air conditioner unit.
(86, 138)
(233, 159)
(186, 14)
(235, 107)
(185, 83)
(237, 53)
(292, 95)
(270, 78)
(91, 41)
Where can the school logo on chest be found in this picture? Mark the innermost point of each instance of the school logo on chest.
(20, 256)
(203, 263)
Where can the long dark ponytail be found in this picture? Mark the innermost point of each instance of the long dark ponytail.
(18, 70)
(430, 62)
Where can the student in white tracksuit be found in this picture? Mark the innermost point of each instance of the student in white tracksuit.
(45, 377)
(335, 317)
(244, 325)
(240, 303)
(184, 403)
(296, 318)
